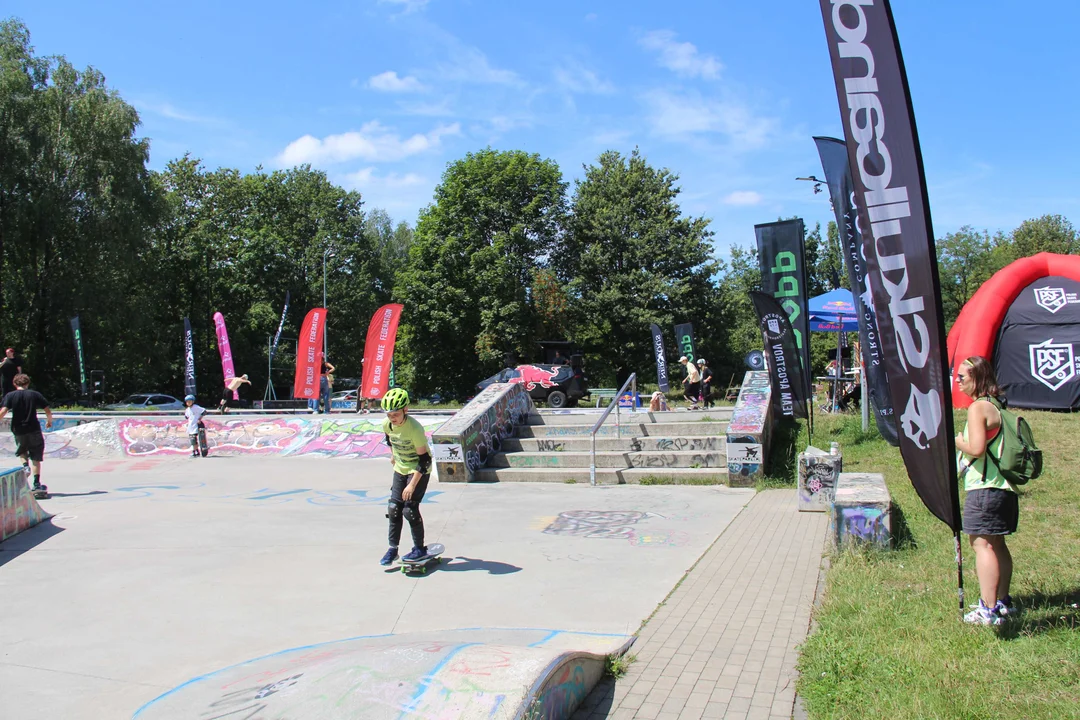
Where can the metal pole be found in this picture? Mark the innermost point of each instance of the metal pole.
(326, 340)
(618, 427)
(865, 399)
(592, 466)
(633, 394)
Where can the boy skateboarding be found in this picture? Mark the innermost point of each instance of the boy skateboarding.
(194, 414)
(412, 468)
(23, 404)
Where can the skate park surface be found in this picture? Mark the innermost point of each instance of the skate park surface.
(167, 586)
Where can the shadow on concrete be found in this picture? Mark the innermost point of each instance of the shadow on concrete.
(1040, 613)
(597, 703)
(467, 564)
(15, 546)
(83, 494)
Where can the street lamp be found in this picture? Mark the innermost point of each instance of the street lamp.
(327, 252)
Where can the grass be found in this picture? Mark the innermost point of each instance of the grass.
(888, 641)
(662, 480)
(616, 666)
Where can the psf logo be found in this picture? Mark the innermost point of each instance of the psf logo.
(1050, 298)
(1052, 364)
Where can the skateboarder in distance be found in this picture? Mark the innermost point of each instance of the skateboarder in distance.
(412, 470)
(23, 403)
(194, 414)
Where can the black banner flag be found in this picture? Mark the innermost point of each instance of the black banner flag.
(661, 358)
(281, 325)
(781, 253)
(894, 215)
(684, 338)
(785, 369)
(76, 332)
(834, 161)
(189, 359)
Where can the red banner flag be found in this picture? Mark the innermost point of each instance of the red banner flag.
(306, 382)
(379, 351)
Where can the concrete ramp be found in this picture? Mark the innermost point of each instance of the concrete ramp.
(18, 509)
(502, 674)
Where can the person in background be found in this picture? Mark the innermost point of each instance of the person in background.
(231, 385)
(194, 414)
(706, 383)
(658, 403)
(23, 404)
(9, 368)
(326, 382)
(691, 383)
(560, 359)
(991, 505)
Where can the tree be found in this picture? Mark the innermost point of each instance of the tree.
(631, 259)
(467, 288)
(965, 262)
(1049, 233)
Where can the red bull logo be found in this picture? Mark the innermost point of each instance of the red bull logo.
(532, 375)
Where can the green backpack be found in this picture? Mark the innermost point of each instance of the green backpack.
(1021, 459)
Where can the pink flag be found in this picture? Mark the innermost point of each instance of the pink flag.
(225, 351)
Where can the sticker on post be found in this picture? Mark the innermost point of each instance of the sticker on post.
(447, 452)
(744, 452)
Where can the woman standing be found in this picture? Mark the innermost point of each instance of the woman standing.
(991, 508)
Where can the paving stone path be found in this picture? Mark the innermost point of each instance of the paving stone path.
(724, 644)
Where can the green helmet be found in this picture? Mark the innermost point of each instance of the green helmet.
(395, 399)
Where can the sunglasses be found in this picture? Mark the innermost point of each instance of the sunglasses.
(961, 378)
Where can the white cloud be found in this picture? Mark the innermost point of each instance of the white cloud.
(372, 142)
(365, 178)
(390, 82)
(682, 58)
(407, 5)
(170, 111)
(468, 64)
(743, 197)
(582, 80)
(687, 114)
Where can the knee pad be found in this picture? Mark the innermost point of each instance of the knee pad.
(393, 510)
(412, 513)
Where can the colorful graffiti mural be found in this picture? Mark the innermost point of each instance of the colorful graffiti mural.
(451, 674)
(751, 423)
(481, 426)
(145, 437)
(818, 474)
(615, 525)
(18, 509)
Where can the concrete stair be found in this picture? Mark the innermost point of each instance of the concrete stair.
(681, 447)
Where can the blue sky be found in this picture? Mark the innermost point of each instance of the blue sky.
(382, 94)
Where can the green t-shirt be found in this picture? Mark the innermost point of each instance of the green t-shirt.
(405, 441)
(974, 479)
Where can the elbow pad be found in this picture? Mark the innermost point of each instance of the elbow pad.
(424, 463)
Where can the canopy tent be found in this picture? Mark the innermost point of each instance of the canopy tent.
(1026, 320)
(834, 311)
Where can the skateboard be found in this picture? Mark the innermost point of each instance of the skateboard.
(421, 566)
(41, 493)
(204, 449)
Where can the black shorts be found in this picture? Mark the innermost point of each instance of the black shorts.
(226, 396)
(991, 512)
(693, 389)
(30, 446)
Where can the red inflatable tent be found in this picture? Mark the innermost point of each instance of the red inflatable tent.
(976, 329)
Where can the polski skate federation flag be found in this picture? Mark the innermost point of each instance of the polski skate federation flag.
(308, 351)
(894, 216)
(225, 351)
(189, 359)
(379, 351)
(661, 358)
(834, 161)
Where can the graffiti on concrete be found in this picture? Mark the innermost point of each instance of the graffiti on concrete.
(692, 443)
(867, 524)
(261, 497)
(550, 445)
(818, 476)
(473, 673)
(18, 509)
(481, 426)
(613, 525)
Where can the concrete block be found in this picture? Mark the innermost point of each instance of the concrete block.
(750, 430)
(818, 475)
(862, 510)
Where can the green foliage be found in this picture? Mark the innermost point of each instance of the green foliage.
(631, 259)
(472, 264)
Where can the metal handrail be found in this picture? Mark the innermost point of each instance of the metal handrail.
(632, 382)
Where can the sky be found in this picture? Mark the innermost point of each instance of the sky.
(383, 94)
